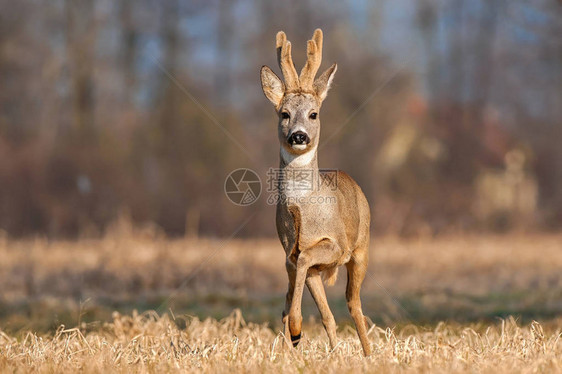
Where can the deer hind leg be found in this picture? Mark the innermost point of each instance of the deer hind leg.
(325, 252)
(356, 270)
(316, 288)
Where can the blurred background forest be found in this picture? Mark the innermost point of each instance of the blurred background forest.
(447, 113)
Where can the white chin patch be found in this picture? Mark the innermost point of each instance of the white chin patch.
(300, 147)
(299, 160)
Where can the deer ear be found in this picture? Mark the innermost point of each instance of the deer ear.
(272, 85)
(322, 83)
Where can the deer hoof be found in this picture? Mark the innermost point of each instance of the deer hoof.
(296, 339)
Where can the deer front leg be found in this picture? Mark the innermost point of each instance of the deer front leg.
(291, 273)
(314, 284)
(325, 252)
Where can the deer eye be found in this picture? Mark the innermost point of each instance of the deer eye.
(285, 115)
(313, 115)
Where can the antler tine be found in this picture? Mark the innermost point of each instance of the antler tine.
(286, 62)
(313, 61)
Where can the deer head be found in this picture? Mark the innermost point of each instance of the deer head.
(298, 99)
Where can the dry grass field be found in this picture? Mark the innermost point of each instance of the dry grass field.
(451, 304)
(149, 343)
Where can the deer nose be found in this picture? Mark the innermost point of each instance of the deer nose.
(299, 137)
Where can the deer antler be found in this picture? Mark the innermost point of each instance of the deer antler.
(286, 62)
(313, 61)
(314, 58)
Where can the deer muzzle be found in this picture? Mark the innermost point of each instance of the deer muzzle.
(298, 138)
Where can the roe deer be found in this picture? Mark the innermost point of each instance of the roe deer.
(321, 227)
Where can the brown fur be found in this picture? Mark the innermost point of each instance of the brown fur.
(330, 276)
(317, 237)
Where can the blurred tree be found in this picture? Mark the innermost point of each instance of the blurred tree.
(81, 38)
(111, 107)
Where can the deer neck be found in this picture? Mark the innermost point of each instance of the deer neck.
(300, 173)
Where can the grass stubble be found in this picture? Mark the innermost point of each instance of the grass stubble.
(148, 342)
(488, 276)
